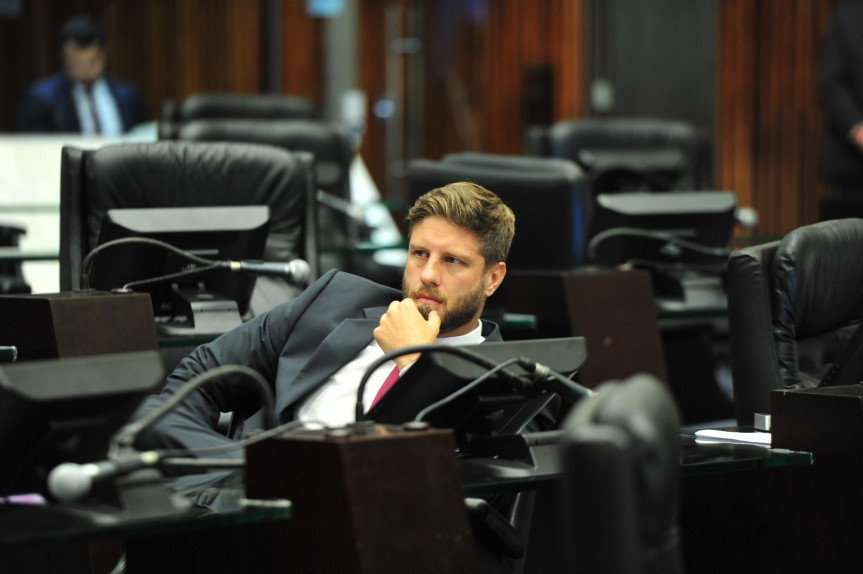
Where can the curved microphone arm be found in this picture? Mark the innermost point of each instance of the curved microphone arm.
(88, 260)
(596, 240)
(438, 348)
(541, 375)
(125, 437)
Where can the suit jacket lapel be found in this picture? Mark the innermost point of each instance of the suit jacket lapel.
(334, 352)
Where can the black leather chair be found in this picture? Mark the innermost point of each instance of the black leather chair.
(620, 491)
(341, 223)
(630, 153)
(549, 197)
(11, 276)
(232, 105)
(330, 143)
(793, 305)
(181, 174)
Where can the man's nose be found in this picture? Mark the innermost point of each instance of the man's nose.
(431, 272)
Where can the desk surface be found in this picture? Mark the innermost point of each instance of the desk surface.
(697, 459)
(30, 524)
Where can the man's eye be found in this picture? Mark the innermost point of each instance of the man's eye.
(453, 260)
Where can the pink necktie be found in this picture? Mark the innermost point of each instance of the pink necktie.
(389, 382)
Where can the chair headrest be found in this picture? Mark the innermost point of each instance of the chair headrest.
(816, 277)
(643, 409)
(178, 174)
(227, 105)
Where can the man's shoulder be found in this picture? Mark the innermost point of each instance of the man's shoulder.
(335, 278)
(121, 87)
(353, 290)
(48, 88)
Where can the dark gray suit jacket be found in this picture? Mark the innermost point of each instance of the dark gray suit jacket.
(296, 346)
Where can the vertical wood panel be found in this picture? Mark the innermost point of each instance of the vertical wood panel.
(769, 121)
(302, 52)
(169, 48)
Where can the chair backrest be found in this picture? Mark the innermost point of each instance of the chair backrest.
(621, 464)
(548, 196)
(629, 154)
(231, 105)
(329, 143)
(186, 174)
(793, 305)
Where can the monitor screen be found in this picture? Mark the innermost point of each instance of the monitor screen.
(495, 405)
(642, 226)
(66, 410)
(210, 301)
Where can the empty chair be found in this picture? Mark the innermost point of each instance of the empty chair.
(329, 143)
(189, 174)
(793, 306)
(341, 222)
(630, 154)
(620, 492)
(232, 105)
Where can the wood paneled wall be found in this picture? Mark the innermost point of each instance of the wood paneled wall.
(769, 121)
(169, 48)
(476, 69)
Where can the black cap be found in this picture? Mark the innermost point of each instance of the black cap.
(82, 30)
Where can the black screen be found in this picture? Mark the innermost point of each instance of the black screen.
(706, 218)
(236, 233)
(66, 410)
(493, 406)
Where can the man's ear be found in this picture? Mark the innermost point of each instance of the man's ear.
(494, 277)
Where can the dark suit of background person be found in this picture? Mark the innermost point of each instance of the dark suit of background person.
(48, 106)
(841, 93)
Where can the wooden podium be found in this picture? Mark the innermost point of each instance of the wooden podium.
(368, 499)
(76, 324)
(612, 309)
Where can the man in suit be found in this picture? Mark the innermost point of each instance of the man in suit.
(314, 350)
(841, 92)
(81, 98)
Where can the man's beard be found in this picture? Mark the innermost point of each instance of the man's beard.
(458, 312)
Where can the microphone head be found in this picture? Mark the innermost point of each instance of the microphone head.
(747, 217)
(69, 482)
(301, 271)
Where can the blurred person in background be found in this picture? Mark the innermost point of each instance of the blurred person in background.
(81, 98)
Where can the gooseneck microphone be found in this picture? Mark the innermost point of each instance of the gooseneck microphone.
(297, 271)
(69, 482)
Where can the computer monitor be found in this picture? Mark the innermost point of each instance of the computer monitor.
(66, 410)
(493, 407)
(643, 226)
(681, 237)
(210, 301)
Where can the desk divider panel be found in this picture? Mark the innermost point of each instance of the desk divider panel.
(612, 309)
(76, 324)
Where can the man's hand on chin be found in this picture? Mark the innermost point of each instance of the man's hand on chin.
(403, 326)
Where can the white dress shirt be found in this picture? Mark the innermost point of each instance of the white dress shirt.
(102, 104)
(334, 403)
